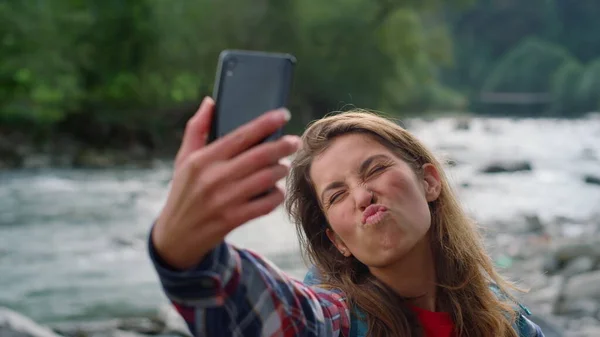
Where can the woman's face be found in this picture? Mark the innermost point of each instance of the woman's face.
(374, 202)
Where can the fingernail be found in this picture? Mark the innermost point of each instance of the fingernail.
(295, 140)
(286, 115)
(203, 101)
(285, 162)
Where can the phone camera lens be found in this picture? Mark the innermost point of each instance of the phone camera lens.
(231, 64)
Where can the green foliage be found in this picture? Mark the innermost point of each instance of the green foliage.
(128, 64)
(527, 68)
(589, 87)
(114, 62)
(38, 84)
(487, 32)
(565, 89)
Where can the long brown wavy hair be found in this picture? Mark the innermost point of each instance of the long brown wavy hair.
(463, 268)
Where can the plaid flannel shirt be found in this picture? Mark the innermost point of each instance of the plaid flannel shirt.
(235, 292)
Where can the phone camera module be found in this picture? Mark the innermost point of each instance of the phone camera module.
(231, 64)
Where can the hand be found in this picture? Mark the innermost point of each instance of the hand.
(213, 185)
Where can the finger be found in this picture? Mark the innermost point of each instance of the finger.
(254, 208)
(261, 156)
(249, 134)
(285, 161)
(238, 192)
(196, 130)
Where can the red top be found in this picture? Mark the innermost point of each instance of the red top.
(435, 324)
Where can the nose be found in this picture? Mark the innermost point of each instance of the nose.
(363, 197)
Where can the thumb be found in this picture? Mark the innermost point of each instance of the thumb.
(196, 130)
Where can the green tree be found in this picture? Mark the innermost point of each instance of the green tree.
(589, 88)
(38, 80)
(528, 67)
(565, 89)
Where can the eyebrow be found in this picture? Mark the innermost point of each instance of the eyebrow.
(361, 171)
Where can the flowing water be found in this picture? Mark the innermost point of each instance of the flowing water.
(73, 242)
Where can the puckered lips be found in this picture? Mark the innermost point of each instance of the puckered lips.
(373, 214)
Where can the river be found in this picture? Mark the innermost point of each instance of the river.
(73, 242)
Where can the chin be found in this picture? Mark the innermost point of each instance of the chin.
(388, 257)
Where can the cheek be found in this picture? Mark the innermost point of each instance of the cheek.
(341, 220)
(410, 195)
(402, 186)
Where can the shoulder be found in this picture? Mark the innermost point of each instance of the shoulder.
(524, 326)
(312, 277)
(527, 328)
(312, 280)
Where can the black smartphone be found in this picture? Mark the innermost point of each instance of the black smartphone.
(248, 84)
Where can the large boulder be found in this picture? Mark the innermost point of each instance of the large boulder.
(583, 287)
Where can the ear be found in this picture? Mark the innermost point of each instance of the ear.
(338, 243)
(431, 182)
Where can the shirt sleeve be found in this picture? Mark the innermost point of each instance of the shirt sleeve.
(236, 292)
(527, 328)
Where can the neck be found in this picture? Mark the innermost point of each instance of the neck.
(413, 277)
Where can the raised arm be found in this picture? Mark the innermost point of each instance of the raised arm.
(235, 292)
(220, 290)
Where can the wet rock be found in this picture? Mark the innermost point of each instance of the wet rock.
(115, 333)
(108, 333)
(507, 167)
(579, 265)
(583, 287)
(589, 154)
(570, 250)
(582, 327)
(451, 162)
(561, 219)
(139, 152)
(142, 325)
(551, 265)
(579, 308)
(94, 159)
(572, 257)
(592, 180)
(547, 298)
(13, 324)
(534, 224)
(81, 329)
(126, 327)
(488, 127)
(462, 124)
(452, 147)
(62, 160)
(9, 156)
(127, 242)
(590, 331)
(36, 161)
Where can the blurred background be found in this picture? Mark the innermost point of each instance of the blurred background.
(94, 97)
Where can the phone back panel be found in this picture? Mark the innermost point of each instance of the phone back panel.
(249, 84)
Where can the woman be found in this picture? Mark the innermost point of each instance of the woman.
(395, 252)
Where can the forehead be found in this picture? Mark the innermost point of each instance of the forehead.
(343, 156)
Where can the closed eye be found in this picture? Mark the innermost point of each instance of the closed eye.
(377, 169)
(334, 197)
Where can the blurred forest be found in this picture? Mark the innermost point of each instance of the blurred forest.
(114, 73)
